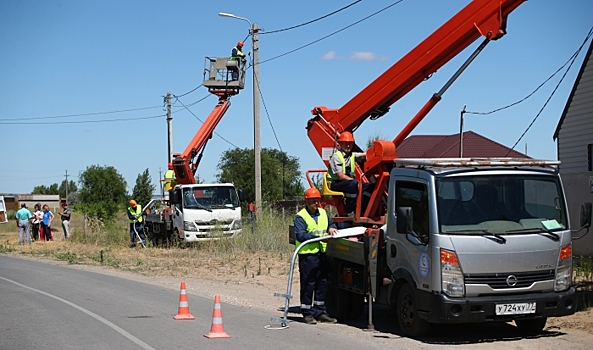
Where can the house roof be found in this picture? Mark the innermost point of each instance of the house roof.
(574, 89)
(447, 146)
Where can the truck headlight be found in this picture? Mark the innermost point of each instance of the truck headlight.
(190, 226)
(564, 269)
(451, 276)
(236, 225)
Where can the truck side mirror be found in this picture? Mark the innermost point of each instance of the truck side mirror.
(175, 197)
(586, 215)
(404, 220)
(241, 194)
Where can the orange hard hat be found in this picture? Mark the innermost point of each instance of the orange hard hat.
(170, 166)
(312, 193)
(240, 44)
(132, 203)
(346, 136)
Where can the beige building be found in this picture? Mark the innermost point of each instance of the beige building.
(52, 200)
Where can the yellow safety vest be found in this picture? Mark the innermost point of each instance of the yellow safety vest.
(138, 211)
(318, 228)
(169, 180)
(338, 153)
(239, 54)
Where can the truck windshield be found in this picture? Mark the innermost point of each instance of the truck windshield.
(210, 197)
(508, 204)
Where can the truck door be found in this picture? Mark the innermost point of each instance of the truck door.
(407, 251)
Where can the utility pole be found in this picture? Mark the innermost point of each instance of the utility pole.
(66, 186)
(256, 131)
(461, 133)
(169, 128)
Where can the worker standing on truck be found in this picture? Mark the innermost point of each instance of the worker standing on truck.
(342, 173)
(237, 55)
(169, 179)
(311, 222)
(136, 225)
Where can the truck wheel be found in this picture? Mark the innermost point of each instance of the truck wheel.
(337, 301)
(410, 323)
(356, 306)
(531, 326)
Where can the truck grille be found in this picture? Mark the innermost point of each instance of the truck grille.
(509, 280)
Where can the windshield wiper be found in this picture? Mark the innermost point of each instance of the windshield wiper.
(554, 236)
(499, 238)
(200, 206)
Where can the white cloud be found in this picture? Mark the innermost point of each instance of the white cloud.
(329, 56)
(366, 56)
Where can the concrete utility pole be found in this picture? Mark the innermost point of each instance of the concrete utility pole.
(461, 133)
(66, 186)
(256, 130)
(169, 128)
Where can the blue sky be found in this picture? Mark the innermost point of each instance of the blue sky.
(67, 57)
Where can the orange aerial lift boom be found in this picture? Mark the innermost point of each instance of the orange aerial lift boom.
(218, 78)
(486, 18)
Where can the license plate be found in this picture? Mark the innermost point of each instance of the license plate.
(515, 309)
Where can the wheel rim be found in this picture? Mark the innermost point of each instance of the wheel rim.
(407, 310)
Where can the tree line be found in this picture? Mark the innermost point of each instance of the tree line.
(102, 191)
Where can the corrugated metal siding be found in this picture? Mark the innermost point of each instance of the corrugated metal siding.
(577, 127)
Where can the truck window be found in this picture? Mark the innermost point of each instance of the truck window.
(414, 195)
(210, 197)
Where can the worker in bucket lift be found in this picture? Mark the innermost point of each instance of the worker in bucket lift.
(169, 179)
(136, 225)
(342, 173)
(237, 55)
(311, 222)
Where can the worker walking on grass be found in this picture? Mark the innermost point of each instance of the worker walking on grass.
(342, 173)
(23, 219)
(136, 225)
(311, 222)
(237, 55)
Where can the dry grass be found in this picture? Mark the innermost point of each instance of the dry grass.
(263, 251)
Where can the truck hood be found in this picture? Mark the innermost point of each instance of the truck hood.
(214, 217)
(525, 252)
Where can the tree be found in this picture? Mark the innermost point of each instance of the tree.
(144, 189)
(102, 192)
(72, 188)
(42, 189)
(280, 173)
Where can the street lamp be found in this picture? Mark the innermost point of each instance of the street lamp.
(256, 133)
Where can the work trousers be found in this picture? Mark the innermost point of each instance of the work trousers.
(350, 190)
(313, 274)
(137, 227)
(24, 230)
(66, 228)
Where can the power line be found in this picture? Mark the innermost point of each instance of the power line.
(334, 33)
(88, 121)
(268, 115)
(570, 60)
(217, 134)
(189, 92)
(81, 115)
(551, 95)
(315, 20)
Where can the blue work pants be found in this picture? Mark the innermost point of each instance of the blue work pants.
(313, 274)
(139, 227)
(350, 190)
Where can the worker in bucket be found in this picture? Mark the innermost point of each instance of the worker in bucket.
(237, 55)
(311, 222)
(342, 173)
(136, 225)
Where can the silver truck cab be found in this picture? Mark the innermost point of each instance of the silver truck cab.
(480, 240)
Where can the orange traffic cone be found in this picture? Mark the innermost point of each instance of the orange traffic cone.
(217, 329)
(183, 313)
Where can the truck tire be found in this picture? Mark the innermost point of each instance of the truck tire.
(410, 324)
(531, 326)
(337, 301)
(356, 306)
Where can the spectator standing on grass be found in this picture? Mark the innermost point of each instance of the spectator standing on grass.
(312, 222)
(48, 217)
(23, 218)
(37, 217)
(65, 216)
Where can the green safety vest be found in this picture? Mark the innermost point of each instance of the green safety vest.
(239, 54)
(170, 175)
(138, 211)
(338, 153)
(318, 228)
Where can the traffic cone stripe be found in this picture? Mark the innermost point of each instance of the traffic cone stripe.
(183, 311)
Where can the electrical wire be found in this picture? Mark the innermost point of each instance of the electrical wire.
(217, 134)
(87, 121)
(334, 33)
(80, 115)
(189, 92)
(570, 60)
(315, 20)
(268, 115)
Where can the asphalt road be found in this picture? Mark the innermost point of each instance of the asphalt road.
(55, 307)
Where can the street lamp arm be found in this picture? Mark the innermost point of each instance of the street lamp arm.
(230, 15)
